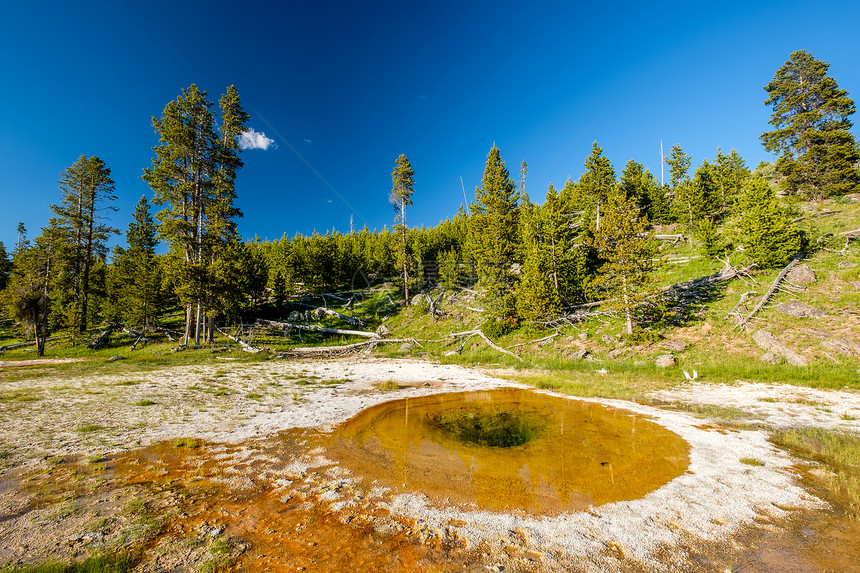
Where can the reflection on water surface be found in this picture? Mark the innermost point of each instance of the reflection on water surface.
(509, 449)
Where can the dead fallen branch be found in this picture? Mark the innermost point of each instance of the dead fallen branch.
(26, 344)
(774, 286)
(543, 340)
(490, 343)
(343, 350)
(246, 346)
(313, 328)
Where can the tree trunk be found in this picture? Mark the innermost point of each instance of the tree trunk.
(405, 262)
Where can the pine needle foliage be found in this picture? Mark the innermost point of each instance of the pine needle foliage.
(817, 151)
(628, 251)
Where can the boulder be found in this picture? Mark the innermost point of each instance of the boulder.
(771, 343)
(116, 357)
(801, 275)
(846, 265)
(665, 361)
(799, 310)
(407, 347)
(417, 299)
(674, 345)
(855, 285)
(383, 331)
(608, 339)
(578, 354)
(296, 316)
(319, 313)
(842, 346)
(615, 353)
(770, 358)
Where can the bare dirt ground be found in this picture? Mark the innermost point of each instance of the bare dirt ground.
(98, 463)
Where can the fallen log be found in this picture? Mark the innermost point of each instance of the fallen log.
(744, 322)
(102, 339)
(490, 343)
(247, 347)
(315, 351)
(313, 328)
(673, 238)
(26, 344)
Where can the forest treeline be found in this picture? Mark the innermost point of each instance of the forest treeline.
(591, 239)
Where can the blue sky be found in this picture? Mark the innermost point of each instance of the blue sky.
(343, 88)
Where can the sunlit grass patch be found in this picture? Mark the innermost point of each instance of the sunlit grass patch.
(838, 451)
(89, 428)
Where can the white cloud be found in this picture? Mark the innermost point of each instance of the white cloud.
(251, 139)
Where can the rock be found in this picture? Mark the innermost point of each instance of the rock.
(295, 316)
(842, 346)
(799, 310)
(615, 353)
(608, 339)
(417, 299)
(770, 358)
(771, 343)
(674, 345)
(579, 354)
(801, 275)
(846, 265)
(640, 363)
(115, 358)
(817, 332)
(516, 269)
(855, 285)
(583, 336)
(319, 313)
(665, 361)
(383, 331)
(407, 347)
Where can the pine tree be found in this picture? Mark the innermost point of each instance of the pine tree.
(193, 176)
(493, 237)
(87, 190)
(138, 277)
(402, 187)
(694, 200)
(817, 151)
(5, 267)
(766, 231)
(628, 250)
(730, 173)
(595, 185)
(28, 296)
(679, 166)
(553, 267)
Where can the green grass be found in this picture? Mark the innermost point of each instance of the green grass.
(838, 451)
(388, 386)
(108, 562)
(187, 443)
(145, 403)
(751, 462)
(89, 428)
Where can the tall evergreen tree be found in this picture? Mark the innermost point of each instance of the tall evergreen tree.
(138, 277)
(193, 176)
(595, 185)
(87, 192)
(679, 166)
(730, 173)
(27, 297)
(768, 236)
(402, 187)
(5, 266)
(817, 151)
(493, 236)
(628, 250)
